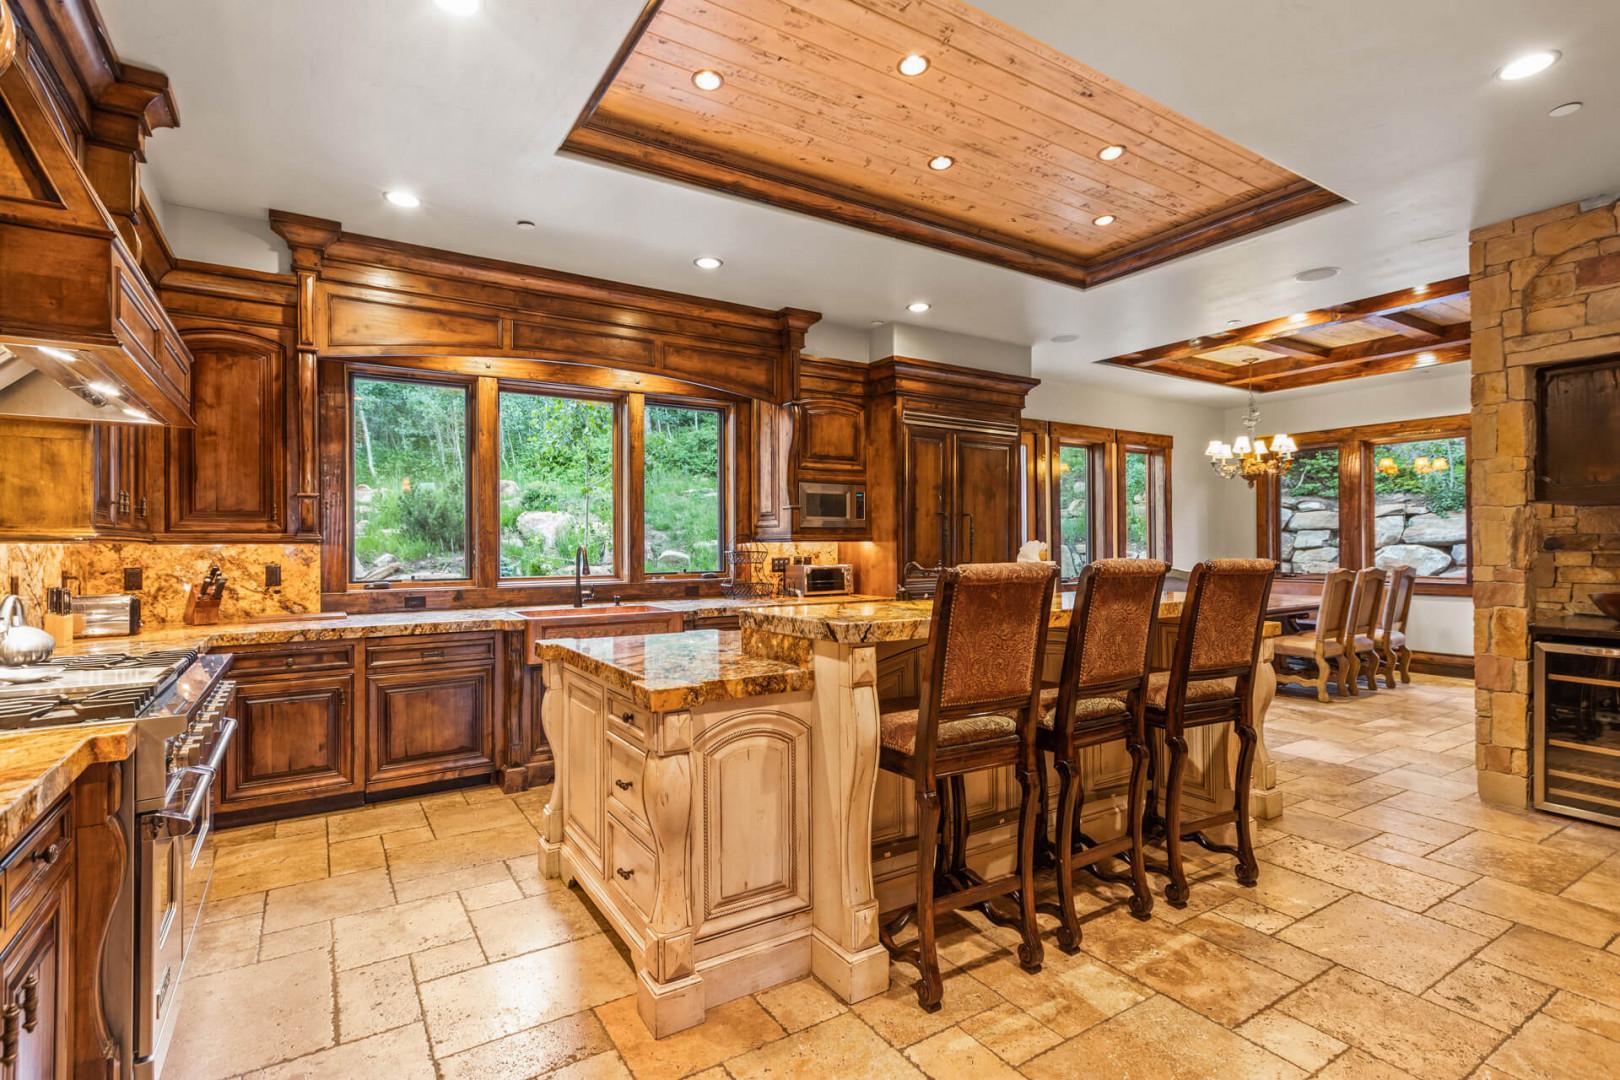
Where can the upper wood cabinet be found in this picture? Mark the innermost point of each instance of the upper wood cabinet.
(958, 494)
(45, 478)
(832, 438)
(228, 474)
(125, 479)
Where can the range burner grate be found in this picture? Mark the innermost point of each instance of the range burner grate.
(162, 658)
(14, 711)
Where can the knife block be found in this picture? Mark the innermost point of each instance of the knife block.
(59, 627)
(200, 611)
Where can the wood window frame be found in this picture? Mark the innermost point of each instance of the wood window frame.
(726, 444)
(1157, 448)
(1357, 499)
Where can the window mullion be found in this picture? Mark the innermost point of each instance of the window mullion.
(486, 476)
(634, 444)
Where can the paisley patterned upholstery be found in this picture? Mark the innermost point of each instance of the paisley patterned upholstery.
(1119, 621)
(898, 730)
(1086, 710)
(996, 625)
(1231, 607)
(1198, 690)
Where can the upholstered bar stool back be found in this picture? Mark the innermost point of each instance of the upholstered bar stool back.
(1390, 640)
(1366, 605)
(1324, 652)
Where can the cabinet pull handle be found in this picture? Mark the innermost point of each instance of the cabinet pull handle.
(623, 785)
(30, 1005)
(432, 654)
(8, 1036)
(48, 856)
(624, 874)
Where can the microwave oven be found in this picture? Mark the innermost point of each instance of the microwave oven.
(832, 506)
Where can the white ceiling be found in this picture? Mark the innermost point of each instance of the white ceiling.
(319, 106)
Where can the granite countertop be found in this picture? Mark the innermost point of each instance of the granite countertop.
(37, 767)
(1590, 627)
(665, 672)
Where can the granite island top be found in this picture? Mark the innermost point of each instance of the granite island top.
(667, 672)
(37, 767)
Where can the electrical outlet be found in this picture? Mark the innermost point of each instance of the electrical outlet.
(132, 579)
(801, 560)
(779, 565)
(272, 575)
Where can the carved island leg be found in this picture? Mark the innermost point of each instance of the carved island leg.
(670, 995)
(551, 820)
(103, 852)
(845, 953)
(1265, 801)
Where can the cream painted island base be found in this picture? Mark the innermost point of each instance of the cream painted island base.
(718, 796)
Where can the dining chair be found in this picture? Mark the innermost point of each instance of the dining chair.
(1099, 700)
(1324, 652)
(1209, 682)
(1389, 641)
(979, 700)
(1366, 604)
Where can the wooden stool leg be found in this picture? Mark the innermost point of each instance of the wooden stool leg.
(931, 988)
(1355, 672)
(1176, 891)
(1141, 895)
(957, 830)
(1406, 664)
(1248, 867)
(1030, 953)
(1068, 935)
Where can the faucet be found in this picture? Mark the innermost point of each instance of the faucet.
(581, 568)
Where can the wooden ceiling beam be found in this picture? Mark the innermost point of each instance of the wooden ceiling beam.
(1385, 366)
(1295, 347)
(1407, 324)
(1362, 353)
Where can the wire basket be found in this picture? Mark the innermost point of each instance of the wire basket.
(749, 578)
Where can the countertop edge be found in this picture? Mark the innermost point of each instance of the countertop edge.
(45, 775)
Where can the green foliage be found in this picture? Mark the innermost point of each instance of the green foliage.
(1445, 492)
(1136, 505)
(410, 444)
(1315, 475)
(559, 453)
(682, 485)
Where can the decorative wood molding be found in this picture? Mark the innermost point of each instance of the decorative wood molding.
(1374, 336)
(813, 117)
(1448, 664)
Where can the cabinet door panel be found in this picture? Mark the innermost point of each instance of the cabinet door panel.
(431, 724)
(37, 978)
(580, 766)
(295, 737)
(986, 484)
(925, 484)
(106, 481)
(230, 470)
(832, 437)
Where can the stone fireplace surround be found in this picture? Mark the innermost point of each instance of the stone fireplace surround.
(1545, 289)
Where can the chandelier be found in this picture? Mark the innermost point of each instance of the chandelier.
(1423, 466)
(1248, 455)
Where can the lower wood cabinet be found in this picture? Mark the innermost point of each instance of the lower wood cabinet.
(36, 957)
(294, 740)
(430, 723)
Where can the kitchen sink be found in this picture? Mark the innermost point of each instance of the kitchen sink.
(592, 612)
(593, 621)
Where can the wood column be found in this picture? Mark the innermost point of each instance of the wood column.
(308, 238)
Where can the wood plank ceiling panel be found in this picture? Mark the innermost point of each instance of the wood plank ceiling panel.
(814, 114)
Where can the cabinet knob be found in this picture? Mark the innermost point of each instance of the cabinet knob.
(625, 874)
(49, 855)
(289, 661)
(628, 717)
(623, 785)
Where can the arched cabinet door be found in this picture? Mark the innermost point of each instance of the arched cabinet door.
(228, 474)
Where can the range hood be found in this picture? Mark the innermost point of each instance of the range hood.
(75, 308)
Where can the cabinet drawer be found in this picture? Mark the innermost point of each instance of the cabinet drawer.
(627, 721)
(324, 658)
(632, 870)
(28, 867)
(415, 652)
(624, 780)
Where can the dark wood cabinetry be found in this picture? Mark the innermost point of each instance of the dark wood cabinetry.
(430, 723)
(122, 478)
(960, 494)
(295, 741)
(36, 957)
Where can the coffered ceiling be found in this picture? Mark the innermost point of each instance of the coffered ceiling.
(929, 121)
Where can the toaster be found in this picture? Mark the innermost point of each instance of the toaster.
(112, 615)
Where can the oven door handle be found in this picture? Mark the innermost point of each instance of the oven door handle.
(177, 824)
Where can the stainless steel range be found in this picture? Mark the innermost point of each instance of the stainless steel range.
(177, 699)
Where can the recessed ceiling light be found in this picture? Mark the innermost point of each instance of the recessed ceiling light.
(1522, 67)
(525, 224)
(941, 163)
(913, 65)
(403, 199)
(1420, 289)
(1317, 273)
(707, 79)
(1064, 339)
(459, 7)
(59, 354)
(707, 262)
(917, 307)
(1111, 153)
(1424, 359)
(1299, 316)
(876, 322)
(1231, 322)
(1105, 219)
(136, 414)
(1568, 108)
(105, 389)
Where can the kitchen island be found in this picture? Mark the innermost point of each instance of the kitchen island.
(718, 795)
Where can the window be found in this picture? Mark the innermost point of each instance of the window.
(1109, 493)
(409, 502)
(556, 484)
(1144, 495)
(683, 506)
(1381, 495)
(1074, 509)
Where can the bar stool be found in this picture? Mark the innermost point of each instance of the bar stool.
(1366, 605)
(1098, 700)
(981, 684)
(1389, 642)
(1211, 670)
(1326, 649)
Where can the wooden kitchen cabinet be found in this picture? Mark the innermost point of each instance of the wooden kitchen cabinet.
(959, 489)
(36, 959)
(124, 478)
(430, 709)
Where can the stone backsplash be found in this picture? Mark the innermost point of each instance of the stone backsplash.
(1545, 288)
(166, 569)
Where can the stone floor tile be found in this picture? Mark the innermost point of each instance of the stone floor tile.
(733, 1028)
(1489, 994)
(539, 1051)
(392, 841)
(1544, 911)
(1356, 1064)
(376, 819)
(399, 930)
(442, 960)
(1284, 890)
(525, 870)
(1392, 819)
(1334, 753)
(471, 877)
(298, 939)
(312, 826)
(1357, 873)
(266, 864)
(499, 891)
(1421, 782)
(1583, 1012)
(900, 1021)
(234, 908)
(401, 1054)
(503, 998)
(1255, 916)
(955, 1055)
(1423, 1038)
(604, 1066)
(1161, 1038)
(1535, 866)
(1559, 962)
(264, 1028)
(457, 819)
(1316, 806)
(460, 852)
(376, 997)
(1292, 1040)
(800, 1004)
(1599, 887)
(1011, 1033)
(362, 853)
(225, 943)
(1274, 953)
(1388, 848)
(842, 1046)
(1463, 918)
(1068, 995)
(1389, 943)
(1334, 832)
(244, 834)
(328, 898)
(1521, 825)
(1587, 832)
(535, 922)
(1547, 1047)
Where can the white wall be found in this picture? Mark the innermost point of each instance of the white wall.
(1443, 624)
(227, 239)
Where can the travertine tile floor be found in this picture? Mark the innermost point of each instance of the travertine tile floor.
(1400, 928)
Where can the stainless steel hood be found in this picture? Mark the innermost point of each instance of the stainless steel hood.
(26, 390)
